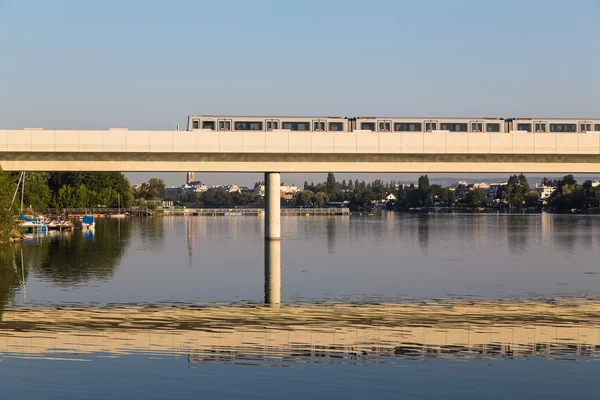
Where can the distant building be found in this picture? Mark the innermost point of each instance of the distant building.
(190, 178)
(463, 188)
(544, 191)
(390, 197)
(495, 189)
(227, 188)
(259, 190)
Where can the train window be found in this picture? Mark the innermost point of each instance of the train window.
(272, 125)
(539, 127)
(248, 126)
(492, 127)
(563, 128)
(367, 126)
(407, 127)
(208, 125)
(224, 125)
(585, 128)
(476, 126)
(384, 126)
(195, 124)
(430, 126)
(318, 126)
(296, 126)
(454, 127)
(524, 127)
(336, 126)
(597, 128)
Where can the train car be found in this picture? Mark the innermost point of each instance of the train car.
(271, 123)
(430, 124)
(552, 125)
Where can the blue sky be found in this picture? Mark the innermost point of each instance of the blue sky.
(148, 64)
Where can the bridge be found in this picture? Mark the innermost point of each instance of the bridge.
(293, 151)
(326, 332)
(274, 152)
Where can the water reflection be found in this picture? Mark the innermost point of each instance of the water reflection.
(384, 257)
(309, 333)
(70, 259)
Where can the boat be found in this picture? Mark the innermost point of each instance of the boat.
(88, 222)
(61, 225)
(32, 224)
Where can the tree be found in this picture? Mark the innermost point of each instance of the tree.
(305, 198)
(475, 197)
(350, 186)
(344, 185)
(423, 189)
(8, 211)
(66, 197)
(320, 199)
(37, 194)
(305, 185)
(532, 198)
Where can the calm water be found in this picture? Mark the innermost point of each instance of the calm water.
(390, 306)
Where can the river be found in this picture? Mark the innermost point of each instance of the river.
(431, 306)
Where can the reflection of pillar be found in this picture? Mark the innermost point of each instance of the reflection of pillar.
(272, 238)
(190, 239)
(272, 271)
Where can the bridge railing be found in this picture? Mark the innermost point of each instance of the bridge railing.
(291, 142)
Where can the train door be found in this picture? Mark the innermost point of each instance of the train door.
(540, 126)
(384, 126)
(431, 125)
(224, 124)
(272, 124)
(319, 125)
(585, 126)
(476, 126)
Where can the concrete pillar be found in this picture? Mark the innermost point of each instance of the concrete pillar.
(272, 205)
(272, 238)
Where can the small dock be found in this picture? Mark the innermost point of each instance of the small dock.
(63, 213)
(234, 212)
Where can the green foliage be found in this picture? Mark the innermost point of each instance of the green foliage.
(320, 199)
(305, 198)
(8, 211)
(532, 198)
(151, 190)
(101, 188)
(475, 197)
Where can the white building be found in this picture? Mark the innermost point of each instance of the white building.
(227, 188)
(390, 197)
(544, 191)
(285, 189)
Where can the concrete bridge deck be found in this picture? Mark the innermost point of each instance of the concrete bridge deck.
(291, 151)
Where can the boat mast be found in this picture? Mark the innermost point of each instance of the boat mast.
(22, 191)
(17, 189)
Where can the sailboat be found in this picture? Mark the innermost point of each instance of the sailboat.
(31, 223)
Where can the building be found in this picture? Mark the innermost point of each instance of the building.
(227, 188)
(544, 191)
(259, 190)
(390, 197)
(190, 178)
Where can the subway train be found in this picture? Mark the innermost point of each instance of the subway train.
(375, 124)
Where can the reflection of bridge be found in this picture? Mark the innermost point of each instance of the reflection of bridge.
(301, 333)
(293, 151)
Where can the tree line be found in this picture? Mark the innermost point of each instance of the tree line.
(74, 190)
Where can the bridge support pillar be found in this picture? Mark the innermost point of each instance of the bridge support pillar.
(272, 238)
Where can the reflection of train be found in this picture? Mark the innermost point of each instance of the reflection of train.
(374, 124)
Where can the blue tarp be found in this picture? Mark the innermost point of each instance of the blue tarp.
(88, 219)
(26, 218)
